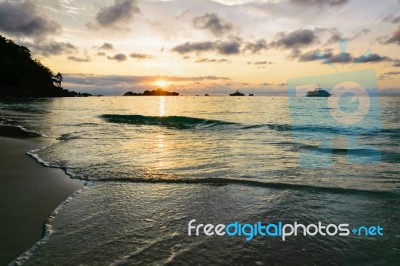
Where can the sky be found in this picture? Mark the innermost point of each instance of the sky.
(194, 47)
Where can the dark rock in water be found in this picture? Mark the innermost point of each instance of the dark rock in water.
(157, 92)
(22, 76)
(318, 92)
(237, 93)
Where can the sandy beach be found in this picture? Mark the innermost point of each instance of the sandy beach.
(29, 192)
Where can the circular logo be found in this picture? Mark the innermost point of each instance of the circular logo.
(345, 96)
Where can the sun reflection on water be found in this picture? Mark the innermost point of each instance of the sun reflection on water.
(162, 105)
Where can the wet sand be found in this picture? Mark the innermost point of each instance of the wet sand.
(29, 192)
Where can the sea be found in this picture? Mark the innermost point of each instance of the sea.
(153, 164)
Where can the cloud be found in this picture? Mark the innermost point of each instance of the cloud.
(211, 22)
(106, 46)
(213, 60)
(256, 47)
(395, 38)
(79, 59)
(140, 56)
(226, 47)
(339, 58)
(118, 57)
(197, 47)
(296, 39)
(392, 19)
(263, 63)
(389, 75)
(360, 33)
(101, 54)
(319, 2)
(48, 48)
(266, 84)
(120, 11)
(312, 55)
(221, 47)
(376, 58)
(336, 35)
(23, 19)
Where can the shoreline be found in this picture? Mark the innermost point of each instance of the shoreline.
(29, 193)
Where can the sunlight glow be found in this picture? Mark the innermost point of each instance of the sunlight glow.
(162, 83)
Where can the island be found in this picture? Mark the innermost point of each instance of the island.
(237, 93)
(318, 92)
(23, 76)
(157, 92)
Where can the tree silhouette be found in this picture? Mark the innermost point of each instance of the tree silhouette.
(57, 79)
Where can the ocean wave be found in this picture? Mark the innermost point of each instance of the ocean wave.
(184, 122)
(215, 181)
(178, 122)
(256, 183)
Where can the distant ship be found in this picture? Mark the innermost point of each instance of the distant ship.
(318, 92)
(251, 94)
(237, 93)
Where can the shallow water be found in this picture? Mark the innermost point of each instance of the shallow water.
(157, 162)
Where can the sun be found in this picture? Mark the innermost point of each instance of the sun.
(161, 83)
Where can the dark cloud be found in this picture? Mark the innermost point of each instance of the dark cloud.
(319, 2)
(228, 47)
(101, 54)
(48, 48)
(118, 57)
(256, 47)
(140, 56)
(296, 39)
(339, 58)
(376, 58)
(392, 19)
(79, 59)
(23, 19)
(213, 23)
(221, 47)
(312, 55)
(106, 46)
(121, 10)
(197, 47)
(395, 37)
